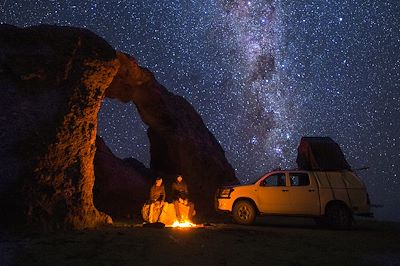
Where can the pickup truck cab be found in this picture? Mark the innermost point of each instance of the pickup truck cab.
(331, 197)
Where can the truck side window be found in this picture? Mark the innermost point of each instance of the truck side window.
(299, 179)
(275, 180)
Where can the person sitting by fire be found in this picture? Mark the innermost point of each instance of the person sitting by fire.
(180, 196)
(157, 198)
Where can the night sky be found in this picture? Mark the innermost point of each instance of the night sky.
(261, 73)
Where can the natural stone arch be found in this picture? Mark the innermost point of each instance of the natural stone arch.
(53, 80)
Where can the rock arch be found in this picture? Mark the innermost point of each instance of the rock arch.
(53, 80)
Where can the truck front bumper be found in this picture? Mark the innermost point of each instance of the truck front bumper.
(222, 204)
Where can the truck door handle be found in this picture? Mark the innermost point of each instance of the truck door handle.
(285, 190)
(311, 190)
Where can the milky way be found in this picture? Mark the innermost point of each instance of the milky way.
(261, 73)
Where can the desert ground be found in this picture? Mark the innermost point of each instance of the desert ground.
(271, 241)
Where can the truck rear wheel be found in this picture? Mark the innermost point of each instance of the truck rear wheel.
(338, 217)
(244, 212)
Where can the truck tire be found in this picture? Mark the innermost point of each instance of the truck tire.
(338, 217)
(244, 212)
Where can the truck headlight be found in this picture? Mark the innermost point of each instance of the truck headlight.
(225, 192)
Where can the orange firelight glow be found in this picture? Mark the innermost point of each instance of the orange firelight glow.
(185, 224)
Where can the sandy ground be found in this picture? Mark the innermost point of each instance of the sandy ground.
(272, 241)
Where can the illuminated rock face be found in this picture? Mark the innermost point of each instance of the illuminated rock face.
(52, 81)
(179, 140)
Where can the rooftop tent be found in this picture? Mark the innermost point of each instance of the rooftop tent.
(320, 153)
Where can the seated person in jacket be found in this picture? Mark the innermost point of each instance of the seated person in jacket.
(157, 198)
(157, 191)
(180, 195)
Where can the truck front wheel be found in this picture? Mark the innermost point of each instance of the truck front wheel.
(244, 212)
(338, 216)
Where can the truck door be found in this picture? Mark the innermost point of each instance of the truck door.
(273, 194)
(303, 193)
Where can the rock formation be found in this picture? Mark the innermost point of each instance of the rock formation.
(121, 186)
(53, 80)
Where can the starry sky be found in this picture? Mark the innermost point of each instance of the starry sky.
(261, 73)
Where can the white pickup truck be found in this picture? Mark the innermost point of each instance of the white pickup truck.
(331, 197)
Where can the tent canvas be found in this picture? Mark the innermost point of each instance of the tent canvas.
(320, 153)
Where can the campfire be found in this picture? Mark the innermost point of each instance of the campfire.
(167, 215)
(184, 224)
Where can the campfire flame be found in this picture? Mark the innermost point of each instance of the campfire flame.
(184, 224)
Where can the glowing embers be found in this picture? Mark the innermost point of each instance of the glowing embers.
(184, 224)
